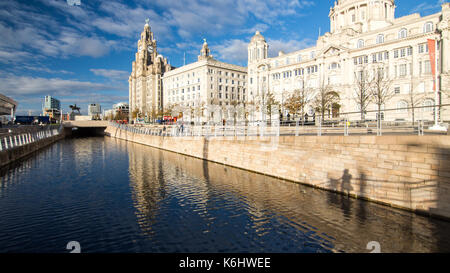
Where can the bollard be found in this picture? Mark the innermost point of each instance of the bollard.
(319, 131)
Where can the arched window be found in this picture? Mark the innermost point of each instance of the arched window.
(299, 58)
(313, 54)
(428, 27)
(428, 103)
(360, 44)
(402, 33)
(380, 39)
(402, 106)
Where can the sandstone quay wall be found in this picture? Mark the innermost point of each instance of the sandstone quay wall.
(408, 172)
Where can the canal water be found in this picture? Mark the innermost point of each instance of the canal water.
(115, 196)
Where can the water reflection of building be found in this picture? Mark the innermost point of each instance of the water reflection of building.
(152, 178)
(344, 223)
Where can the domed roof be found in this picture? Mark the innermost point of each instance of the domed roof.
(257, 37)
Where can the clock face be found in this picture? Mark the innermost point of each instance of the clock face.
(150, 49)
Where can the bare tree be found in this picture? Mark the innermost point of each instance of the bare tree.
(305, 96)
(415, 99)
(168, 110)
(293, 103)
(362, 94)
(135, 113)
(380, 88)
(269, 103)
(249, 109)
(199, 108)
(325, 98)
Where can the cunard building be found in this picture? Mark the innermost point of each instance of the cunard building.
(364, 35)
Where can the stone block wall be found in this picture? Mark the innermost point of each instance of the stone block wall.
(408, 172)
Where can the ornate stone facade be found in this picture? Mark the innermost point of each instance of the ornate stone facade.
(204, 88)
(145, 81)
(363, 33)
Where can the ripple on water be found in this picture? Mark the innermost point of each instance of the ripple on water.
(114, 196)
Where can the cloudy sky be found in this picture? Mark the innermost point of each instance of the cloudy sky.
(82, 54)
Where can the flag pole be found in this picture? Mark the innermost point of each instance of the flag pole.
(436, 96)
(436, 126)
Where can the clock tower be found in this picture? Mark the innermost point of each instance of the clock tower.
(145, 81)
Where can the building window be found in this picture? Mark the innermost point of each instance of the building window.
(403, 69)
(402, 107)
(402, 33)
(428, 27)
(410, 51)
(313, 55)
(427, 68)
(360, 44)
(380, 56)
(423, 48)
(402, 52)
(397, 90)
(334, 66)
(428, 103)
(380, 39)
(299, 58)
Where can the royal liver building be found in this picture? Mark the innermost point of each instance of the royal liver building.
(145, 81)
(365, 40)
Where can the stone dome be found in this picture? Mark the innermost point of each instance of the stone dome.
(257, 37)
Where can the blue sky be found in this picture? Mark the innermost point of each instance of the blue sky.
(82, 54)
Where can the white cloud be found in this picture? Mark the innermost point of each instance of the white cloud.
(29, 86)
(252, 30)
(111, 74)
(426, 7)
(234, 51)
(26, 29)
(287, 46)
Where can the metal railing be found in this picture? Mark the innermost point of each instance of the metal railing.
(391, 122)
(16, 140)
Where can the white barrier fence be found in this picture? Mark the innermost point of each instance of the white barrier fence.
(400, 121)
(205, 130)
(12, 141)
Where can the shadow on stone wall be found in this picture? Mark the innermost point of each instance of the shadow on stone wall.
(349, 221)
(443, 197)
